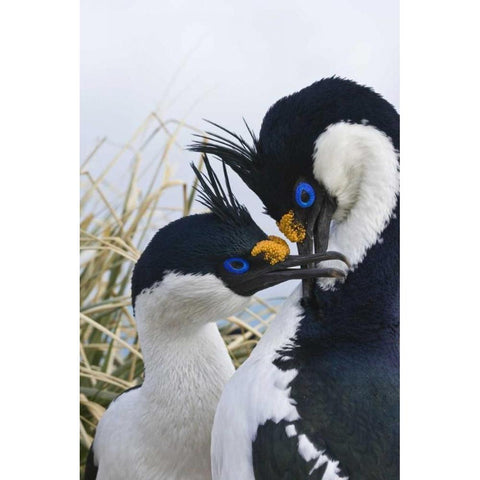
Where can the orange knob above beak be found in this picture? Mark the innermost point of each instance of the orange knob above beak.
(291, 228)
(274, 250)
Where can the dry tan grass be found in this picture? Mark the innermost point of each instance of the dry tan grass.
(121, 208)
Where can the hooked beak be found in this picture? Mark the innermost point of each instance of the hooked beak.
(317, 228)
(281, 272)
(317, 233)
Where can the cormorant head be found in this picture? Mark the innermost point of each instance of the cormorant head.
(325, 165)
(204, 267)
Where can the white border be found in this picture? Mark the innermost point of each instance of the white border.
(439, 238)
(39, 44)
(40, 122)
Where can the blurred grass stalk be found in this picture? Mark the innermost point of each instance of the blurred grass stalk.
(118, 216)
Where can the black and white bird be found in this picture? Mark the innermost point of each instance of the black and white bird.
(194, 271)
(319, 396)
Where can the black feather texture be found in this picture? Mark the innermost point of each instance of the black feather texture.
(212, 195)
(233, 150)
(276, 455)
(283, 151)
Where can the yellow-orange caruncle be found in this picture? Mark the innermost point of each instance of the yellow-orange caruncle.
(274, 250)
(292, 229)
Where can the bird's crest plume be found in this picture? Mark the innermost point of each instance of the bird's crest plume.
(233, 150)
(221, 203)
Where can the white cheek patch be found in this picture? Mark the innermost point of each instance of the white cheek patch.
(358, 165)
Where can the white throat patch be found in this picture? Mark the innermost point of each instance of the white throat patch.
(358, 165)
(181, 298)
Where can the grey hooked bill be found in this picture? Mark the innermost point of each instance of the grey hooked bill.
(282, 271)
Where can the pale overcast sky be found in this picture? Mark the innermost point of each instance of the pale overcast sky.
(227, 59)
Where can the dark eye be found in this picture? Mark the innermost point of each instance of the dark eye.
(304, 195)
(236, 265)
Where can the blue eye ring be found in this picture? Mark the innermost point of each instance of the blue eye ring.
(228, 265)
(301, 189)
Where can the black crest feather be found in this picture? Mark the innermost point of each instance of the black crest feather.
(212, 195)
(233, 150)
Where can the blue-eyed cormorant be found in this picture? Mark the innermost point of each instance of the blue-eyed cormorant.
(319, 396)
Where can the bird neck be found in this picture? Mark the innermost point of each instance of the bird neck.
(366, 306)
(175, 351)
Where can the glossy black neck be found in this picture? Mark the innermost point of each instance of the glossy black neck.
(366, 307)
